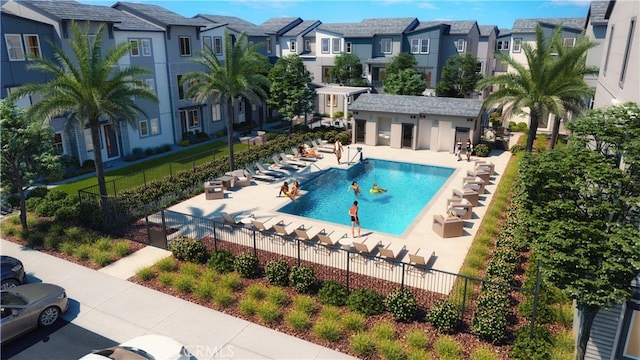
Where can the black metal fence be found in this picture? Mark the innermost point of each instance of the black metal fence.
(354, 269)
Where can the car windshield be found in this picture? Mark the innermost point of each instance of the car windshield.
(12, 299)
(125, 353)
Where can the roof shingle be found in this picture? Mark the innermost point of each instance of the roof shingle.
(405, 104)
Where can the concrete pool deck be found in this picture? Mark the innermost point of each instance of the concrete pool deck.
(261, 200)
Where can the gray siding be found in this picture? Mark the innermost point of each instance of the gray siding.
(605, 326)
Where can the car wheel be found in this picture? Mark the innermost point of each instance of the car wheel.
(9, 283)
(49, 316)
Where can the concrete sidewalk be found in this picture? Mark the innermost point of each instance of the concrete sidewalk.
(120, 310)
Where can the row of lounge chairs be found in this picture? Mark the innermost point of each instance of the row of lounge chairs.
(460, 205)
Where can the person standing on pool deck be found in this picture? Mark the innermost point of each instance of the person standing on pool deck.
(469, 149)
(353, 212)
(337, 149)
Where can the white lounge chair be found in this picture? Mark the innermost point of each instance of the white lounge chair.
(257, 176)
(284, 229)
(280, 165)
(330, 239)
(322, 147)
(392, 251)
(263, 169)
(287, 160)
(366, 246)
(308, 234)
(298, 156)
(266, 226)
(421, 257)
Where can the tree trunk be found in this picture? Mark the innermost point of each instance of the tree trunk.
(555, 132)
(97, 158)
(230, 117)
(23, 207)
(584, 331)
(533, 129)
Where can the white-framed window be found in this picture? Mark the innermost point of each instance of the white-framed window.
(58, 144)
(241, 106)
(207, 43)
(268, 45)
(154, 125)
(185, 46)
(628, 344)
(331, 100)
(216, 115)
(503, 45)
(31, 45)
(143, 127)
(606, 57)
(517, 45)
(14, 47)
(335, 46)
(324, 45)
(415, 46)
(145, 44)
(191, 118)
(347, 46)
(292, 45)
(419, 46)
(150, 84)
(88, 140)
(307, 45)
(479, 67)
(135, 47)
(568, 43)
(149, 127)
(386, 46)
(424, 46)
(461, 44)
(627, 50)
(217, 45)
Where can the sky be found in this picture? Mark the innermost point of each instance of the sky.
(485, 12)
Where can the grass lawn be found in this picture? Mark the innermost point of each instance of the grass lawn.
(158, 167)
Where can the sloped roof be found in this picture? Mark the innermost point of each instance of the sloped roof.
(405, 104)
(301, 28)
(597, 12)
(428, 24)
(133, 23)
(485, 30)
(460, 27)
(529, 25)
(72, 10)
(277, 24)
(159, 14)
(235, 24)
(368, 28)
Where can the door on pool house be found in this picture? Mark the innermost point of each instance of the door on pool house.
(462, 134)
(110, 149)
(407, 135)
(361, 125)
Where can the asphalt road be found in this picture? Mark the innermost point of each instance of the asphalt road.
(61, 341)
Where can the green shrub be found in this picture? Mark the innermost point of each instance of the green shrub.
(384, 331)
(522, 126)
(184, 283)
(277, 272)
(121, 248)
(353, 322)
(333, 293)
(304, 303)
(167, 264)
(231, 281)
(484, 353)
(166, 278)
(74, 234)
(221, 261)
(447, 348)
(366, 301)
(330, 312)
(187, 249)
(145, 274)
(35, 239)
(490, 320)
(52, 241)
(256, 291)
(66, 213)
(223, 297)
(103, 243)
(248, 306)
(417, 339)
(444, 316)
(82, 252)
(536, 346)
(391, 350)
(303, 278)
(362, 344)
(402, 304)
(269, 313)
(68, 248)
(418, 354)
(327, 329)
(298, 320)
(482, 150)
(277, 296)
(100, 257)
(191, 269)
(246, 265)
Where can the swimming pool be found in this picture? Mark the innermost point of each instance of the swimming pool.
(410, 187)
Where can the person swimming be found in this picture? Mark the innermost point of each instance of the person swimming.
(355, 187)
(375, 189)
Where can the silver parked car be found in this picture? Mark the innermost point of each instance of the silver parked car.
(12, 272)
(145, 347)
(26, 307)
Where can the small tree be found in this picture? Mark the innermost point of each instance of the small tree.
(347, 70)
(459, 77)
(27, 153)
(402, 76)
(291, 93)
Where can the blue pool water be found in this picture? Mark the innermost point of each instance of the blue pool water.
(410, 187)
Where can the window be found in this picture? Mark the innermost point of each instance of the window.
(241, 106)
(347, 45)
(149, 127)
(190, 118)
(269, 45)
(185, 46)
(307, 45)
(92, 40)
(135, 50)
(330, 100)
(415, 46)
(32, 45)
(155, 126)
(14, 47)
(460, 45)
(419, 46)
(325, 45)
(292, 45)
(217, 45)
(628, 343)
(57, 143)
(88, 140)
(335, 46)
(625, 59)
(215, 112)
(146, 47)
(150, 84)
(479, 67)
(180, 88)
(503, 45)
(424, 46)
(517, 45)
(144, 128)
(385, 46)
(567, 42)
(207, 43)
(606, 59)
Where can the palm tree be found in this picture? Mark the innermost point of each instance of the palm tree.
(241, 74)
(552, 82)
(87, 89)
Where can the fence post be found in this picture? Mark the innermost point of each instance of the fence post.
(164, 230)
(215, 237)
(255, 245)
(464, 297)
(298, 241)
(144, 179)
(348, 256)
(535, 299)
(171, 170)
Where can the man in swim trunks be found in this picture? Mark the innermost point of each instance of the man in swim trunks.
(284, 189)
(353, 212)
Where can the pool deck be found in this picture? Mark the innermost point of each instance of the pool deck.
(261, 199)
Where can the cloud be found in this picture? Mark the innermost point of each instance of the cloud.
(571, 2)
